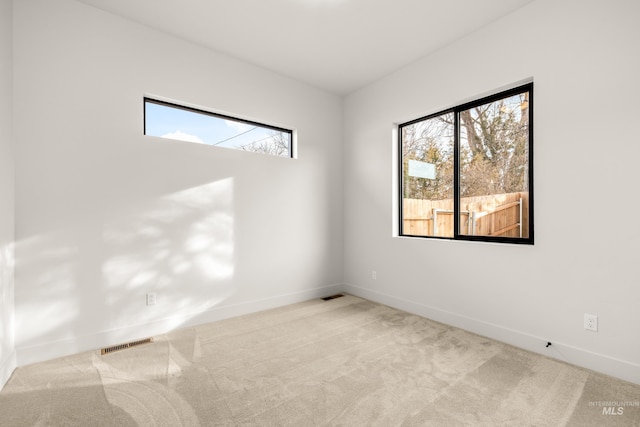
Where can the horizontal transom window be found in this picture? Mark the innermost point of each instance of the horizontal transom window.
(466, 173)
(173, 121)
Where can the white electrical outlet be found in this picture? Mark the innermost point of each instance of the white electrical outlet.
(151, 298)
(591, 322)
(374, 275)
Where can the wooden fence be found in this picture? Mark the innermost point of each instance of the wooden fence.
(505, 215)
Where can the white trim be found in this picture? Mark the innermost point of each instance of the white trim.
(622, 369)
(7, 367)
(60, 348)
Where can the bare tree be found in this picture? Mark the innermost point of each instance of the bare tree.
(494, 147)
(276, 144)
(429, 141)
(493, 151)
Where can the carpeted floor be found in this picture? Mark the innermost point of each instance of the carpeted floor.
(343, 362)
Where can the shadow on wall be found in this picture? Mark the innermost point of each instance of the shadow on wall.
(93, 277)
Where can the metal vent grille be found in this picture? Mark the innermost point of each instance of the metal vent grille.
(332, 297)
(125, 346)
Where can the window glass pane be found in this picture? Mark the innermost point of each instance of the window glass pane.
(187, 124)
(427, 168)
(494, 168)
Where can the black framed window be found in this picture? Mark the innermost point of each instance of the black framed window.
(466, 173)
(179, 122)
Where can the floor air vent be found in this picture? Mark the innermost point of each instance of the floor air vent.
(332, 297)
(119, 347)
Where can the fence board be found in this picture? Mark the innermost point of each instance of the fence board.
(501, 215)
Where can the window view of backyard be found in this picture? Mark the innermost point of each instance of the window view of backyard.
(485, 164)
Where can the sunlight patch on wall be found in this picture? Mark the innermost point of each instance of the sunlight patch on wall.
(91, 277)
(50, 270)
(179, 246)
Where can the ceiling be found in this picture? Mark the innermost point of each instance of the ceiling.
(336, 45)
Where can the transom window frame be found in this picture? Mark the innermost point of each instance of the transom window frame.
(457, 236)
(170, 104)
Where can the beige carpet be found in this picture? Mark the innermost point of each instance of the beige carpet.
(343, 362)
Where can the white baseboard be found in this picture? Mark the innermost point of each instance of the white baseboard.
(52, 350)
(7, 367)
(622, 369)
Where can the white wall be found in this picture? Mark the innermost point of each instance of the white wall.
(582, 56)
(7, 347)
(105, 214)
